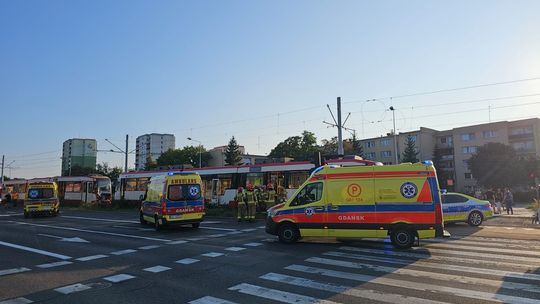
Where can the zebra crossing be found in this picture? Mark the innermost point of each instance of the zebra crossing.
(466, 270)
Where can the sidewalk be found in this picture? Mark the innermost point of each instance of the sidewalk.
(522, 217)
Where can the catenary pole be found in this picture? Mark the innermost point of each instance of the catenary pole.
(126, 151)
(339, 126)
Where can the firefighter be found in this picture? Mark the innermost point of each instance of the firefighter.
(270, 196)
(241, 204)
(261, 198)
(251, 200)
(281, 194)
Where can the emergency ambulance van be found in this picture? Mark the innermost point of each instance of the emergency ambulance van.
(41, 198)
(368, 200)
(173, 198)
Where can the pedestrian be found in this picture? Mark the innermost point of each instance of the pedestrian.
(251, 201)
(490, 197)
(8, 199)
(498, 200)
(240, 204)
(509, 201)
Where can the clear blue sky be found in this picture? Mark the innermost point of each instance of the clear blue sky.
(213, 69)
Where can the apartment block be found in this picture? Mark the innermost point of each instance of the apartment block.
(81, 152)
(152, 145)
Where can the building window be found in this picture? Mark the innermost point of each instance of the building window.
(489, 134)
(443, 140)
(521, 130)
(413, 137)
(523, 145)
(468, 175)
(386, 153)
(385, 142)
(468, 137)
(371, 155)
(466, 163)
(370, 144)
(470, 149)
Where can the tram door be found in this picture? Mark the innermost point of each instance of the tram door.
(215, 191)
(88, 195)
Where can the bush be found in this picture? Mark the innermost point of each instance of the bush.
(535, 205)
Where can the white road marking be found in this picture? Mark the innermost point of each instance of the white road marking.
(95, 231)
(63, 239)
(248, 230)
(253, 244)
(234, 232)
(216, 228)
(13, 271)
(187, 261)
(483, 249)
(55, 264)
(17, 301)
(34, 250)
(261, 227)
(149, 247)
(523, 245)
(430, 275)
(216, 235)
(423, 287)
(196, 239)
(277, 295)
(423, 264)
(370, 294)
(12, 214)
(235, 248)
(498, 240)
(210, 300)
(157, 269)
(92, 257)
(177, 242)
(72, 288)
(121, 252)
(119, 278)
(212, 254)
(98, 219)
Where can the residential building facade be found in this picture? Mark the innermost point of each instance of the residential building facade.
(81, 152)
(152, 146)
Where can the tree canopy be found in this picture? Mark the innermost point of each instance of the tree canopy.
(104, 169)
(410, 154)
(298, 147)
(232, 154)
(186, 155)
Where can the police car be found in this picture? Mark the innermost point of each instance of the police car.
(458, 207)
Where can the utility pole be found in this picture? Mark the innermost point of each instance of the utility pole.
(2, 174)
(126, 151)
(395, 135)
(339, 125)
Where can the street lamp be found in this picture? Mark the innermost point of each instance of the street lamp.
(395, 135)
(200, 149)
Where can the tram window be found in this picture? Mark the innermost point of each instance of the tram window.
(131, 184)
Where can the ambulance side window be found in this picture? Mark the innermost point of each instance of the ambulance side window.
(309, 194)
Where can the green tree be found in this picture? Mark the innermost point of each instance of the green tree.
(497, 165)
(232, 154)
(77, 170)
(409, 155)
(111, 172)
(298, 147)
(150, 164)
(186, 155)
(442, 175)
(329, 147)
(357, 148)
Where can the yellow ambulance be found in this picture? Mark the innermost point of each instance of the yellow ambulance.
(41, 198)
(367, 200)
(173, 198)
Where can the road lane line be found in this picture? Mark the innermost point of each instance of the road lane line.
(484, 244)
(122, 252)
(235, 249)
(277, 295)
(157, 269)
(119, 278)
(92, 257)
(484, 249)
(210, 300)
(17, 301)
(98, 219)
(13, 271)
(196, 239)
(248, 230)
(55, 264)
(149, 247)
(72, 288)
(423, 264)
(430, 275)
(423, 287)
(187, 261)
(96, 232)
(34, 250)
(217, 228)
(217, 235)
(447, 259)
(253, 244)
(370, 294)
(177, 242)
(212, 254)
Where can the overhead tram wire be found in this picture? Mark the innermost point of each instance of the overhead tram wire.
(446, 90)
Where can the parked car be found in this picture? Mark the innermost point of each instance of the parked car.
(458, 207)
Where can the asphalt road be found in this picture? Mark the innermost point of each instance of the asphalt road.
(108, 257)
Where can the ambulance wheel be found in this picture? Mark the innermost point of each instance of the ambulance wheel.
(195, 225)
(475, 219)
(402, 238)
(157, 225)
(288, 233)
(141, 219)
